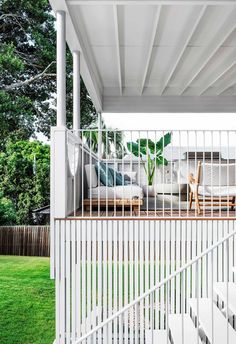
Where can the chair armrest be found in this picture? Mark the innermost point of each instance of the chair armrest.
(191, 179)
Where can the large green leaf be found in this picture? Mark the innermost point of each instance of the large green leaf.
(160, 160)
(134, 148)
(163, 142)
(144, 143)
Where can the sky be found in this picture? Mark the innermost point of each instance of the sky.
(221, 121)
(165, 121)
(199, 141)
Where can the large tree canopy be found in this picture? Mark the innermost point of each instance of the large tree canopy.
(28, 71)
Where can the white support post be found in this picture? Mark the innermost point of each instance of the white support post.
(100, 135)
(58, 174)
(76, 91)
(61, 68)
(58, 183)
(76, 125)
(59, 170)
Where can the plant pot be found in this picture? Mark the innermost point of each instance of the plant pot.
(149, 190)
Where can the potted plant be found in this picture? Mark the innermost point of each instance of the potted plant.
(151, 155)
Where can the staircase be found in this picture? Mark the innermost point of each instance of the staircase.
(216, 332)
(208, 320)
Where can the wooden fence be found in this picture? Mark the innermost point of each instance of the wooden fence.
(25, 240)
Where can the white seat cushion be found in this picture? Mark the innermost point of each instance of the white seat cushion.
(214, 191)
(125, 192)
(211, 173)
(218, 174)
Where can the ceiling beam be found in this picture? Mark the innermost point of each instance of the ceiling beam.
(152, 2)
(150, 47)
(220, 37)
(229, 63)
(181, 47)
(117, 39)
(169, 104)
(226, 85)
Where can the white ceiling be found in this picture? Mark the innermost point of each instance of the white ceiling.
(156, 56)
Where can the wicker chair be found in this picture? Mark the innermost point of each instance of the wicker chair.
(213, 185)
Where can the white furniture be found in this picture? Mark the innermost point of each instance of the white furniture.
(164, 189)
(169, 189)
(97, 190)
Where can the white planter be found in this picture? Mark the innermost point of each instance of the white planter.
(164, 189)
(168, 189)
(149, 190)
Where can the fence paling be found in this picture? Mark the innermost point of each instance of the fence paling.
(25, 240)
(120, 252)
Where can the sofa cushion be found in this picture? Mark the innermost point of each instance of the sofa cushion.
(104, 174)
(130, 176)
(91, 176)
(118, 178)
(117, 192)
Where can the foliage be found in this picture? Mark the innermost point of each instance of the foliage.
(112, 141)
(27, 105)
(24, 177)
(27, 301)
(150, 153)
(7, 211)
(28, 71)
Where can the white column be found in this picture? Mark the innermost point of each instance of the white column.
(58, 183)
(61, 68)
(100, 135)
(76, 91)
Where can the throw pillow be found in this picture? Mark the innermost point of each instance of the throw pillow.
(104, 174)
(117, 177)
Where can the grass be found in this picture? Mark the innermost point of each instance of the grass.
(26, 301)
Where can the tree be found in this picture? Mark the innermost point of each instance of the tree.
(24, 177)
(28, 71)
(112, 141)
(7, 211)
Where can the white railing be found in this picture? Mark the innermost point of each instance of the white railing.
(157, 175)
(106, 255)
(128, 324)
(104, 265)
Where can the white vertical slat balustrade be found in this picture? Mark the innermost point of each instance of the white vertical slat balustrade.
(101, 266)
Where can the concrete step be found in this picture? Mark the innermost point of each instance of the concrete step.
(159, 337)
(219, 322)
(220, 288)
(190, 331)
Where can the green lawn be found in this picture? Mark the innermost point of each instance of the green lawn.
(26, 301)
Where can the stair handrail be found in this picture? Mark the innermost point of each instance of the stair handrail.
(155, 288)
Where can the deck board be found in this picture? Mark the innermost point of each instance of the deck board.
(158, 213)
